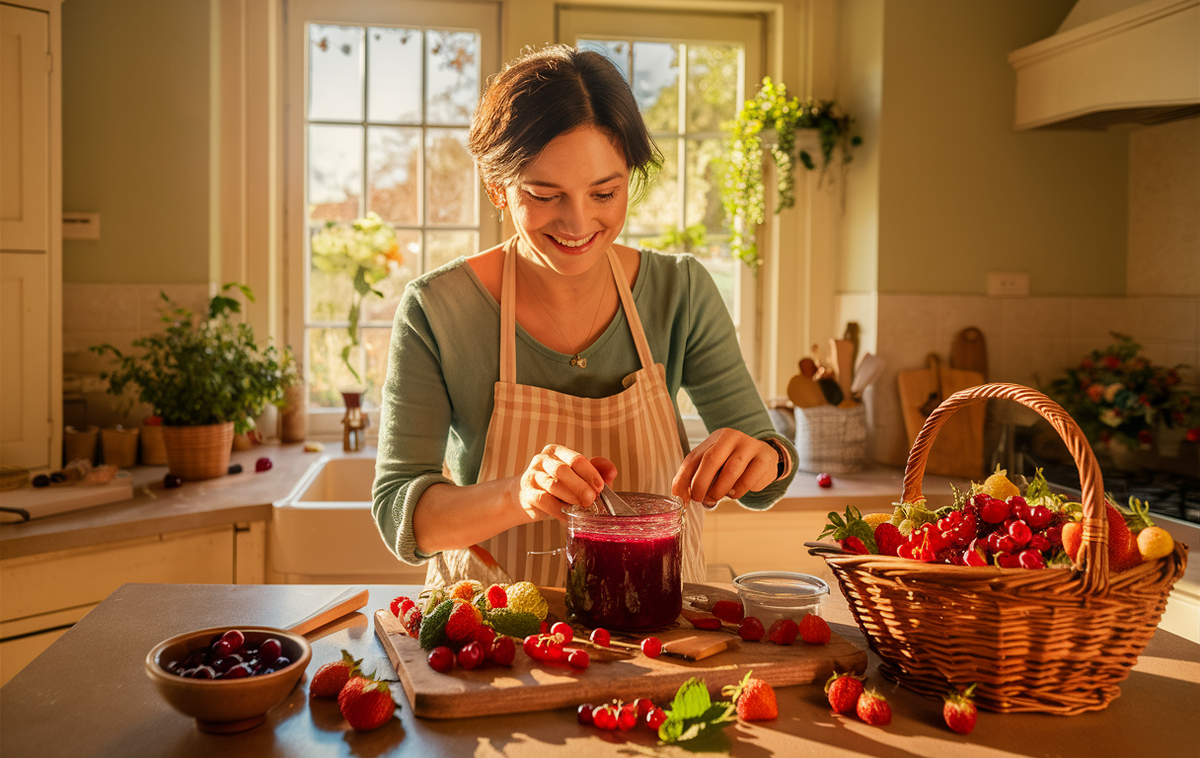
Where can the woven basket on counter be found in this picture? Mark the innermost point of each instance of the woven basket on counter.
(1050, 640)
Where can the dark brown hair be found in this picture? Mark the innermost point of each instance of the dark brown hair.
(545, 93)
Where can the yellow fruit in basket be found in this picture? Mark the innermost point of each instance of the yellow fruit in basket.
(875, 519)
(1154, 542)
(998, 486)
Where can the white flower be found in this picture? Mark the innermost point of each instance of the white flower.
(1111, 417)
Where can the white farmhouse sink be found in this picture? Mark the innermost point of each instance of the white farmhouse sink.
(323, 532)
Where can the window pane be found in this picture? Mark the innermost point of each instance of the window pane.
(394, 75)
(452, 70)
(616, 51)
(327, 372)
(658, 210)
(335, 171)
(382, 310)
(451, 182)
(394, 184)
(704, 177)
(656, 84)
(443, 247)
(335, 73)
(328, 291)
(712, 86)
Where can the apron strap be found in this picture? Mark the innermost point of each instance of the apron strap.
(508, 315)
(631, 314)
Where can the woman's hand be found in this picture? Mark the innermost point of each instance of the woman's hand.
(558, 478)
(729, 464)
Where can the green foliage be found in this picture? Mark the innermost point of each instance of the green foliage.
(201, 371)
(674, 240)
(365, 250)
(693, 714)
(743, 193)
(852, 526)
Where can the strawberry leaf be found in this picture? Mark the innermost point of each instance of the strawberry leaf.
(693, 714)
(852, 525)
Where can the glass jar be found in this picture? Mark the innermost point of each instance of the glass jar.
(626, 572)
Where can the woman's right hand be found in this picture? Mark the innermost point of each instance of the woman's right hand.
(558, 478)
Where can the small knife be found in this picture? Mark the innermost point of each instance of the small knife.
(615, 505)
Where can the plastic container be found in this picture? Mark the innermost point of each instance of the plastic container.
(626, 572)
(773, 595)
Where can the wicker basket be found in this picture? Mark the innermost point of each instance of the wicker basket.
(1050, 641)
(195, 453)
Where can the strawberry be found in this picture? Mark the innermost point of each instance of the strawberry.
(783, 632)
(888, 538)
(332, 677)
(753, 698)
(854, 545)
(412, 621)
(814, 630)
(462, 621)
(959, 710)
(873, 709)
(843, 691)
(730, 611)
(496, 596)
(400, 606)
(366, 702)
(1122, 546)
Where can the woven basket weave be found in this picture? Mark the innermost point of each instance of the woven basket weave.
(1050, 641)
(195, 453)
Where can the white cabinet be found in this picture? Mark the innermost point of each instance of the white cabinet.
(30, 236)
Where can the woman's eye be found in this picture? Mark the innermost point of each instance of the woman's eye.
(605, 197)
(540, 198)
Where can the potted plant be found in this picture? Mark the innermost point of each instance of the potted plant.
(293, 415)
(743, 193)
(205, 376)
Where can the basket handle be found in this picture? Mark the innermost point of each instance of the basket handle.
(1094, 552)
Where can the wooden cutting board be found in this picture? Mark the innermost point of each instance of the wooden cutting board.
(969, 352)
(534, 686)
(958, 449)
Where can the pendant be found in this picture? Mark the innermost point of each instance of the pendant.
(579, 361)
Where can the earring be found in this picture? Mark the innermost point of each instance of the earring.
(502, 214)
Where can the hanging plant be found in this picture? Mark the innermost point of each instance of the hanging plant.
(743, 194)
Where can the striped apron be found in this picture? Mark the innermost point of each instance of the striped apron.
(636, 429)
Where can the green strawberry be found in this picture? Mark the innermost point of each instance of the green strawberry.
(433, 626)
(514, 623)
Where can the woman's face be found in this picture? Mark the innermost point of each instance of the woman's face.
(569, 204)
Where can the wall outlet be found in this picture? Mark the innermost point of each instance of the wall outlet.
(1008, 284)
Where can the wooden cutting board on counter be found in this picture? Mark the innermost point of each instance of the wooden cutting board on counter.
(958, 449)
(534, 686)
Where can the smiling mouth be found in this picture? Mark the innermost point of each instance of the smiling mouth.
(573, 243)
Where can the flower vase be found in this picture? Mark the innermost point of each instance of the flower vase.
(354, 423)
(293, 416)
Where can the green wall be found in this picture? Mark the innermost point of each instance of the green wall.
(135, 138)
(958, 193)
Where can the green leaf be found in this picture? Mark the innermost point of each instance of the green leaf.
(691, 700)
(693, 714)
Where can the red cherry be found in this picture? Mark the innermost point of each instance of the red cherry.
(824, 480)
(564, 630)
(643, 706)
(626, 719)
(1031, 559)
(171, 481)
(751, 629)
(600, 637)
(441, 659)
(651, 647)
(263, 464)
(656, 718)
(584, 714)
(578, 659)
(605, 717)
(471, 655)
(502, 651)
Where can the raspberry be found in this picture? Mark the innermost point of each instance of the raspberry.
(400, 606)
(497, 597)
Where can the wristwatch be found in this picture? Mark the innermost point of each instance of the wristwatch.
(784, 458)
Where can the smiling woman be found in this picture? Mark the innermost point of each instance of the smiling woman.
(595, 341)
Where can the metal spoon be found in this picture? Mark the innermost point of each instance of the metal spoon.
(615, 505)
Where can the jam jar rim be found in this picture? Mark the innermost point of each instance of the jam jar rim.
(669, 520)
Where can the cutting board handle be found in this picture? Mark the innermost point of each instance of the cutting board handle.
(1093, 553)
(350, 600)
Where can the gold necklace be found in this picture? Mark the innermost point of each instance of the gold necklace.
(577, 360)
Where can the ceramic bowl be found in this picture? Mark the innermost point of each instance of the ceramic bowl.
(773, 595)
(226, 705)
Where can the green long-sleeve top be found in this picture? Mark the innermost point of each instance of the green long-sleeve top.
(444, 361)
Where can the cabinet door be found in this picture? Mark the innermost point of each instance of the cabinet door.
(25, 413)
(24, 129)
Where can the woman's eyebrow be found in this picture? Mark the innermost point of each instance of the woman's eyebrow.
(552, 185)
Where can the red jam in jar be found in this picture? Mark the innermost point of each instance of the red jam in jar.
(626, 572)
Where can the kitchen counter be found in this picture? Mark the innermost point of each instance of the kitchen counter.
(88, 695)
(227, 500)
(248, 496)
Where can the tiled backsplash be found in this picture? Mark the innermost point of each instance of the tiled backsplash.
(1030, 340)
(94, 314)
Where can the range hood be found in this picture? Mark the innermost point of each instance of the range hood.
(1112, 62)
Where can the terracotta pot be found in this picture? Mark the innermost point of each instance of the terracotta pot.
(198, 452)
(154, 449)
(293, 416)
(120, 446)
(80, 443)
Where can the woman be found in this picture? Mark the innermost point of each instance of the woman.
(590, 342)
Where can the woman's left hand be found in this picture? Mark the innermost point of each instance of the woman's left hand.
(729, 464)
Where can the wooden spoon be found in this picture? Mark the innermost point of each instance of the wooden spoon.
(804, 392)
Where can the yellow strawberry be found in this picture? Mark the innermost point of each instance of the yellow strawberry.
(875, 519)
(524, 596)
(1154, 542)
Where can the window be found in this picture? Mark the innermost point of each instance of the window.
(381, 97)
(689, 78)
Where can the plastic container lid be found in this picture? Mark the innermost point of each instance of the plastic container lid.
(778, 594)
